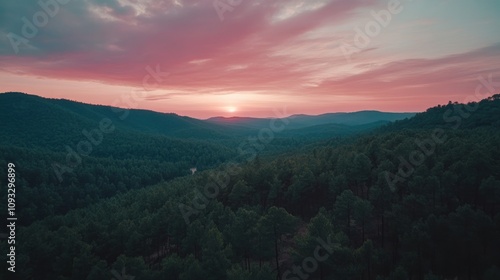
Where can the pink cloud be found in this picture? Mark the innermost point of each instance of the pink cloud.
(252, 50)
(117, 52)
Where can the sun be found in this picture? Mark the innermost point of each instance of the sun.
(231, 109)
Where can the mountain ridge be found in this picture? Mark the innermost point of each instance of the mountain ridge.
(22, 109)
(303, 120)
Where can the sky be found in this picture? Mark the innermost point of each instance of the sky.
(204, 58)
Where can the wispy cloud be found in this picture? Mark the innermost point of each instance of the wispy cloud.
(277, 47)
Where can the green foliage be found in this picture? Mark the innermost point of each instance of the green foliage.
(121, 210)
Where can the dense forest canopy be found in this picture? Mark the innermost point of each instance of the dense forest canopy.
(415, 199)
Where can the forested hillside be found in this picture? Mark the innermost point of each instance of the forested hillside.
(418, 199)
(61, 116)
(70, 155)
(34, 121)
(302, 121)
(456, 115)
(73, 154)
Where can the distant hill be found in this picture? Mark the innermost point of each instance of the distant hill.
(454, 115)
(354, 118)
(47, 120)
(302, 121)
(323, 131)
(35, 121)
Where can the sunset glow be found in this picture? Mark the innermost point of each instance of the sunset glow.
(312, 57)
(232, 109)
